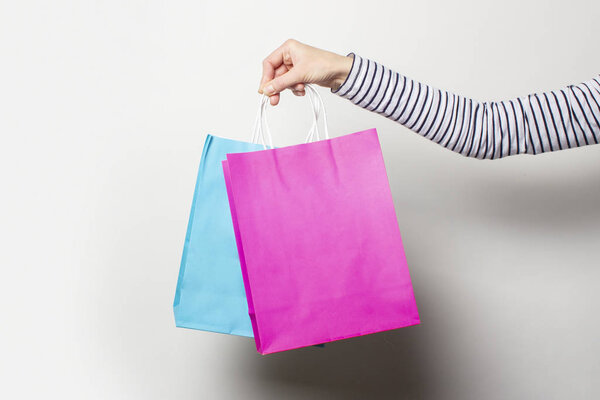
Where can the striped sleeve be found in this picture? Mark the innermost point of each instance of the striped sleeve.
(531, 124)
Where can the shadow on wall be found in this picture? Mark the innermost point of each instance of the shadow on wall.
(536, 193)
(378, 366)
(569, 203)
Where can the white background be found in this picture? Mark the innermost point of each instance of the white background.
(104, 107)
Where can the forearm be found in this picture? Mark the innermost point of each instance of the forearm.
(533, 124)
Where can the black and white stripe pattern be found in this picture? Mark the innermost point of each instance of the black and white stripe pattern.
(531, 124)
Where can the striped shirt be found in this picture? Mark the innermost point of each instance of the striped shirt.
(532, 124)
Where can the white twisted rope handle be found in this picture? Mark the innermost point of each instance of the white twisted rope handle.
(262, 134)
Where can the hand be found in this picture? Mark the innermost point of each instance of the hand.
(293, 64)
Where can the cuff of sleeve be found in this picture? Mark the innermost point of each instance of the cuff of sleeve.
(346, 87)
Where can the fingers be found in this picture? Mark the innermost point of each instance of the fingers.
(270, 65)
(298, 89)
(282, 69)
(279, 73)
(287, 80)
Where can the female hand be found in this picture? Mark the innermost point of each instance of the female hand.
(293, 64)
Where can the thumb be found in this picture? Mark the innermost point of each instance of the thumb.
(289, 79)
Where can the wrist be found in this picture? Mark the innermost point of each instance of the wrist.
(340, 71)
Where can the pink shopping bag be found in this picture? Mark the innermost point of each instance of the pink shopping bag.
(319, 243)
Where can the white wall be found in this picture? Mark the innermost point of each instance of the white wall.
(104, 107)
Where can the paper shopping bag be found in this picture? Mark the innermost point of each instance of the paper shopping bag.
(210, 293)
(319, 244)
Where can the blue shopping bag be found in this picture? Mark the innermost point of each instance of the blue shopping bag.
(210, 292)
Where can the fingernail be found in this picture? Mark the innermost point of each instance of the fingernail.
(268, 90)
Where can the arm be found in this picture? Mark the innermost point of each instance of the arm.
(531, 124)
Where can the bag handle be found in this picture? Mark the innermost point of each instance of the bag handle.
(318, 106)
(261, 132)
